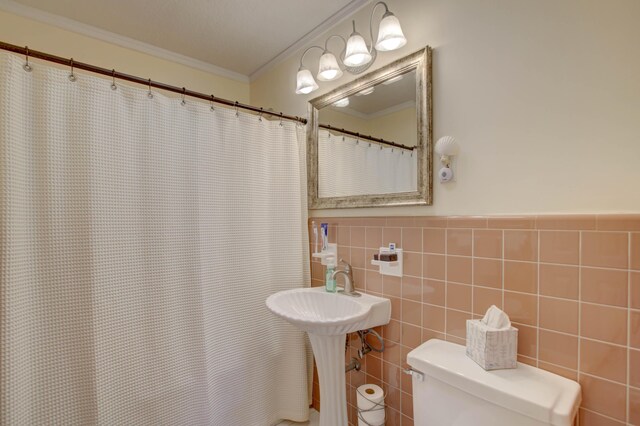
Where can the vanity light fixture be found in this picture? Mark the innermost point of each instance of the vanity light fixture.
(342, 103)
(365, 92)
(357, 56)
(393, 80)
(447, 147)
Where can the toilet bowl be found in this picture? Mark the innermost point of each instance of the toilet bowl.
(451, 389)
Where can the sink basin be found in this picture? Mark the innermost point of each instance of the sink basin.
(328, 317)
(315, 311)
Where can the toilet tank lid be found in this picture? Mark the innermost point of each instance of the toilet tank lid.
(527, 390)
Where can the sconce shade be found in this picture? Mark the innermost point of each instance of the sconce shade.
(447, 146)
(357, 52)
(390, 35)
(328, 69)
(304, 82)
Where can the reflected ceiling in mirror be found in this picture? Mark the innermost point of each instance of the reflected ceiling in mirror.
(369, 141)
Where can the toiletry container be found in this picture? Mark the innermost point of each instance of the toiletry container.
(451, 389)
(330, 284)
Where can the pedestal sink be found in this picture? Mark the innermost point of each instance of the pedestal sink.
(328, 317)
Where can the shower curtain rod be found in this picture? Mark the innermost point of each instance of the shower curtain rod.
(145, 82)
(369, 138)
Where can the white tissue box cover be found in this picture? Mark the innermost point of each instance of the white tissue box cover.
(492, 349)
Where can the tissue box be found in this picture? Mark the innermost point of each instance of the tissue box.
(492, 349)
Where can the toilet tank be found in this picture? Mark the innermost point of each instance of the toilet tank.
(454, 390)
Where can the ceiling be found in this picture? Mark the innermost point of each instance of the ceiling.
(238, 35)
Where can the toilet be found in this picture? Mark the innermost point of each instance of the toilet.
(451, 389)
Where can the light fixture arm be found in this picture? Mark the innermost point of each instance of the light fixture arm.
(326, 43)
(306, 51)
(386, 10)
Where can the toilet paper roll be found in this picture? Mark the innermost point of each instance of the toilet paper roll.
(370, 399)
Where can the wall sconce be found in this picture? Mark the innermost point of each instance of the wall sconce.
(448, 148)
(356, 57)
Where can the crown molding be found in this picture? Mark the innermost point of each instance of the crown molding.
(119, 40)
(351, 8)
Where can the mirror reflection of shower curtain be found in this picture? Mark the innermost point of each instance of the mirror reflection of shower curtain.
(140, 239)
(350, 167)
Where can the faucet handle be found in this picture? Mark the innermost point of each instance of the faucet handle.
(347, 267)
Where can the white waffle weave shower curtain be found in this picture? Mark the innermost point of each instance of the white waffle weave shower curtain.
(139, 240)
(351, 167)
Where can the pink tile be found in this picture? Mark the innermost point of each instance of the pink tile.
(634, 329)
(358, 236)
(412, 312)
(467, 222)
(433, 292)
(559, 281)
(373, 237)
(487, 243)
(459, 269)
(457, 323)
(412, 288)
(605, 323)
(487, 272)
(619, 222)
(459, 242)
(635, 290)
(373, 281)
(605, 249)
(483, 298)
(433, 317)
(566, 222)
(433, 266)
(635, 251)
(459, 297)
(412, 239)
(392, 235)
(527, 341)
(521, 308)
(603, 360)
(434, 240)
(391, 286)
(560, 247)
(604, 397)
(606, 286)
(521, 276)
(512, 222)
(559, 315)
(521, 245)
(412, 264)
(558, 349)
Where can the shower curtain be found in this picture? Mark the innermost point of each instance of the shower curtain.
(351, 167)
(140, 237)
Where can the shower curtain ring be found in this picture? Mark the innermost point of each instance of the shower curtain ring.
(236, 104)
(72, 76)
(280, 119)
(212, 107)
(260, 115)
(26, 65)
(149, 94)
(184, 102)
(113, 80)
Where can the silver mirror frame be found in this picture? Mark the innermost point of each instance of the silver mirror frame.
(419, 61)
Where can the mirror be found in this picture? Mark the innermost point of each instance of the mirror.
(369, 142)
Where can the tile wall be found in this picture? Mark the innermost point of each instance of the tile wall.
(571, 285)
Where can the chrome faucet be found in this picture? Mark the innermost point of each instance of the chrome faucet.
(349, 285)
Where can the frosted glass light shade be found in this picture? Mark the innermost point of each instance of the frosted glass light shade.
(342, 103)
(357, 52)
(366, 91)
(304, 82)
(328, 69)
(390, 35)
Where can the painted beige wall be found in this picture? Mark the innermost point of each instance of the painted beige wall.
(26, 32)
(543, 96)
(399, 126)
